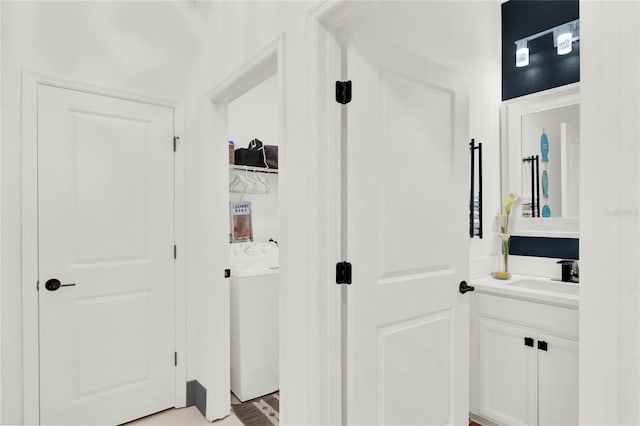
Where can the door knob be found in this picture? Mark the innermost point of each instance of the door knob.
(464, 287)
(53, 284)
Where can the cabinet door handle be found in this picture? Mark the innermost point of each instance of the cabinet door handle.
(542, 345)
(528, 341)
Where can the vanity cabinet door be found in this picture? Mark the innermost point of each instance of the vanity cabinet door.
(558, 381)
(507, 373)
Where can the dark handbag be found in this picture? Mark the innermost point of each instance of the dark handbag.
(258, 155)
(252, 156)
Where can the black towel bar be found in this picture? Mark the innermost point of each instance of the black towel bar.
(475, 208)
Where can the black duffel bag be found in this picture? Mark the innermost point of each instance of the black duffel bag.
(257, 155)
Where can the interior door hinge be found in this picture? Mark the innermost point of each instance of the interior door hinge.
(175, 142)
(175, 251)
(343, 92)
(175, 359)
(343, 273)
(37, 285)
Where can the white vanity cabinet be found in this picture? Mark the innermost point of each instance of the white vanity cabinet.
(558, 381)
(525, 370)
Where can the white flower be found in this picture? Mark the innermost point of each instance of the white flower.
(508, 201)
(505, 237)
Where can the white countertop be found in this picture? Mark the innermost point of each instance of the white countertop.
(556, 294)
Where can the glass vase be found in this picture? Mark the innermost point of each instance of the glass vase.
(502, 272)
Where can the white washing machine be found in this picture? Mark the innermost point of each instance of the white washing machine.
(254, 319)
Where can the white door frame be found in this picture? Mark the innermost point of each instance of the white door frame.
(30, 339)
(1, 375)
(326, 301)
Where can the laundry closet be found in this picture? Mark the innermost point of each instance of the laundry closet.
(253, 235)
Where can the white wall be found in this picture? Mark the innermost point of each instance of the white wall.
(610, 214)
(138, 47)
(255, 115)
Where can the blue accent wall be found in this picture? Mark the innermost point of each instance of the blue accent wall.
(558, 248)
(546, 69)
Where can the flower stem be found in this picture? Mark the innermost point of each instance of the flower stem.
(505, 254)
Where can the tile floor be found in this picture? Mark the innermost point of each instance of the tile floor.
(189, 416)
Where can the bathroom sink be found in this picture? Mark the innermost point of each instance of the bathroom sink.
(555, 286)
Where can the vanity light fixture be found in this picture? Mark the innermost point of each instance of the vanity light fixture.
(563, 37)
(522, 54)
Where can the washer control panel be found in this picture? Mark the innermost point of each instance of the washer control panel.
(254, 252)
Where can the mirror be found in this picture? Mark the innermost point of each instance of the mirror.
(551, 161)
(541, 161)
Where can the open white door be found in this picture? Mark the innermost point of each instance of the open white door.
(105, 213)
(408, 325)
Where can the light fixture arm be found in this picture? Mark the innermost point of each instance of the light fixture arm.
(573, 26)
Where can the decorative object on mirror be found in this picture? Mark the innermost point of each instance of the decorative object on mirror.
(545, 184)
(544, 150)
(475, 200)
(544, 147)
(503, 235)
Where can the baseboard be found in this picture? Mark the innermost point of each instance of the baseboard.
(197, 395)
(481, 420)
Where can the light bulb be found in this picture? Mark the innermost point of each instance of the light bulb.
(522, 57)
(565, 43)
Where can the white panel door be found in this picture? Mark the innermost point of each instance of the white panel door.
(105, 194)
(558, 381)
(407, 213)
(507, 373)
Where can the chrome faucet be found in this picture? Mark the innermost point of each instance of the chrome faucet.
(570, 271)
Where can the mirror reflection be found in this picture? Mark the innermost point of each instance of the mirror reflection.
(550, 163)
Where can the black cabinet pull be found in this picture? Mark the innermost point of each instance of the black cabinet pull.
(542, 345)
(464, 287)
(528, 341)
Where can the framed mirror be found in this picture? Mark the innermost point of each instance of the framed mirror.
(541, 161)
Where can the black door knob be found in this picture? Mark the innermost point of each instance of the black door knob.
(53, 284)
(464, 287)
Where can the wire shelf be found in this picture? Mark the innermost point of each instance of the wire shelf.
(252, 169)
